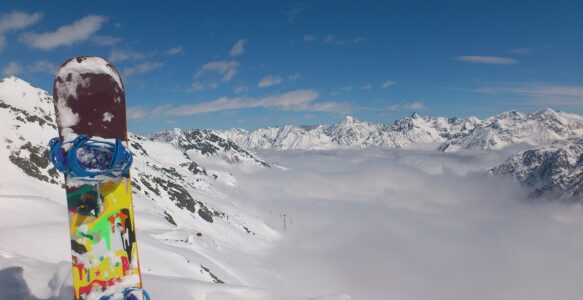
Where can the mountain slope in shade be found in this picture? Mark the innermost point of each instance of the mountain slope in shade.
(554, 170)
(446, 134)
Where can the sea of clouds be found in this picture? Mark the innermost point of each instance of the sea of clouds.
(411, 224)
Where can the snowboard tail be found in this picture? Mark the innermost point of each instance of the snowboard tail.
(90, 100)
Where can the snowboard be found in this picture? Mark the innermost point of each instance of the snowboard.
(89, 99)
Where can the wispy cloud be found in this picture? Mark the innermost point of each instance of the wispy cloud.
(310, 38)
(537, 94)
(341, 90)
(269, 80)
(227, 69)
(79, 31)
(333, 40)
(491, 60)
(238, 48)
(12, 69)
(241, 89)
(407, 106)
(387, 83)
(298, 100)
(43, 66)
(294, 77)
(367, 87)
(118, 55)
(200, 85)
(134, 113)
(105, 40)
(294, 10)
(174, 50)
(529, 50)
(141, 68)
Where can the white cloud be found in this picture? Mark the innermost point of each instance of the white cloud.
(17, 20)
(134, 113)
(492, 60)
(298, 100)
(238, 48)
(367, 87)
(105, 40)
(241, 89)
(175, 50)
(117, 55)
(387, 84)
(12, 69)
(43, 66)
(227, 69)
(407, 106)
(294, 77)
(67, 35)
(309, 38)
(332, 40)
(269, 80)
(141, 68)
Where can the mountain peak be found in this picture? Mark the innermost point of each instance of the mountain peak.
(546, 112)
(415, 115)
(349, 119)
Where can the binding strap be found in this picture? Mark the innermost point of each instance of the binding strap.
(128, 294)
(88, 158)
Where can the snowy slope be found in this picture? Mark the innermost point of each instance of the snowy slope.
(447, 134)
(191, 236)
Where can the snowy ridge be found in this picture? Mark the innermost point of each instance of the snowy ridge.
(552, 170)
(448, 134)
(538, 128)
(207, 143)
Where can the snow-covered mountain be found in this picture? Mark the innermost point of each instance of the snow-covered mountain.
(188, 229)
(538, 128)
(206, 143)
(447, 134)
(555, 169)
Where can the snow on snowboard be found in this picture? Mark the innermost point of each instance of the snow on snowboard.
(92, 151)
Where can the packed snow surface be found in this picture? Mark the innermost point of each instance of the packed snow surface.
(89, 64)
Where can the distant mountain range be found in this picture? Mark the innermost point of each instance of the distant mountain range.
(448, 134)
(552, 165)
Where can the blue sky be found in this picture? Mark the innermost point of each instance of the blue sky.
(250, 64)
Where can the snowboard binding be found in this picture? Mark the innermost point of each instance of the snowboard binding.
(130, 294)
(91, 160)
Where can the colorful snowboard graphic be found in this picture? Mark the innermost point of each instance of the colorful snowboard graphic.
(89, 99)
